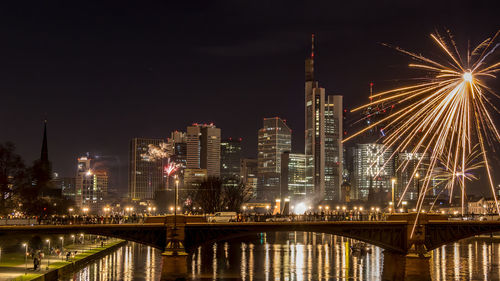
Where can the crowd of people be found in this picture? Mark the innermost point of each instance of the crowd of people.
(91, 219)
(313, 216)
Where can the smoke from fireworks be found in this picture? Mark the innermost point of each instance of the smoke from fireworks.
(445, 115)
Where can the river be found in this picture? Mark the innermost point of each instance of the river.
(294, 256)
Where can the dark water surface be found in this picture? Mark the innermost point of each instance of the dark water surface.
(294, 256)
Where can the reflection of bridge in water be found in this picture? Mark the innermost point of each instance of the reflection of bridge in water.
(393, 235)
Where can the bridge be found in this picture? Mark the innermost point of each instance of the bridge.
(393, 235)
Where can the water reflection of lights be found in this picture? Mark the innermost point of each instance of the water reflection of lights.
(485, 261)
(251, 262)
(470, 261)
(214, 260)
(277, 261)
(329, 258)
(243, 270)
(456, 260)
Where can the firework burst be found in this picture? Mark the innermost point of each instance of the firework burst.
(446, 114)
(156, 152)
(446, 178)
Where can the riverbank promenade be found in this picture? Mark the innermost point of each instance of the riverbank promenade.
(14, 266)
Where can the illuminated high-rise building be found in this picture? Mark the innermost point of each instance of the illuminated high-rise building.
(373, 169)
(145, 173)
(293, 176)
(323, 136)
(408, 163)
(273, 139)
(91, 185)
(334, 151)
(203, 148)
(230, 154)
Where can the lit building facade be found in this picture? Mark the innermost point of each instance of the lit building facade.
(203, 148)
(248, 173)
(373, 169)
(145, 174)
(193, 177)
(334, 151)
(230, 153)
(293, 176)
(91, 186)
(407, 165)
(273, 139)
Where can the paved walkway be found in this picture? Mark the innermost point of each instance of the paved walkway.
(9, 272)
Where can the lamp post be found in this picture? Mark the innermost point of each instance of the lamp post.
(176, 198)
(417, 176)
(25, 245)
(73, 236)
(62, 244)
(393, 181)
(48, 253)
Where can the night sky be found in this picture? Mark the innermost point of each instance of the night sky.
(104, 73)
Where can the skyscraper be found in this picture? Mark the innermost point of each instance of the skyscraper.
(373, 169)
(91, 185)
(323, 136)
(145, 174)
(230, 154)
(333, 147)
(177, 148)
(274, 138)
(203, 148)
(410, 173)
(293, 176)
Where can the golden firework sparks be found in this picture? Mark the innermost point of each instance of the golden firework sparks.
(447, 114)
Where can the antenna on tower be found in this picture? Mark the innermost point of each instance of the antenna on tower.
(312, 44)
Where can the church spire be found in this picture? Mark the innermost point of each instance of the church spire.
(44, 156)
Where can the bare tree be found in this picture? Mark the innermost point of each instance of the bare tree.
(235, 194)
(208, 195)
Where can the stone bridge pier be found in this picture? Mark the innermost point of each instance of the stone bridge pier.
(174, 257)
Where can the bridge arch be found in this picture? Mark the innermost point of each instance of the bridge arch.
(387, 236)
(438, 234)
(154, 235)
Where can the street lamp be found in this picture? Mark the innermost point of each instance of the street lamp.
(393, 181)
(73, 236)
(62, 243)
(176, 198)
(48, 253)
(417, 176)
(25, 245)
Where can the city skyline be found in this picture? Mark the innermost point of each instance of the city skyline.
(338, 68)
